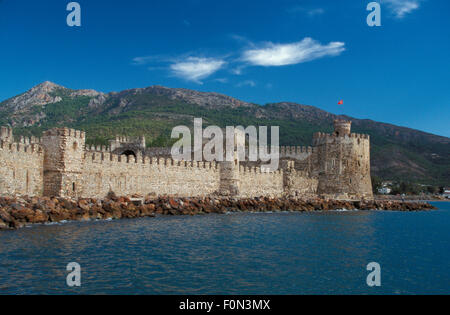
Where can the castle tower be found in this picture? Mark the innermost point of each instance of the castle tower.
(229, 177)
(342, 128)
(63, 162)
(343, 163)
(229, 170)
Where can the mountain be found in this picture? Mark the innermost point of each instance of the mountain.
(398, 153)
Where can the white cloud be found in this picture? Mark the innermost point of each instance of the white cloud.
(402, 7)
(310, 12)
(237, 70)
(221, 80)
(290, 54)
(250, 83)
(143, 60)
(315, 12)
(267, 54)
(196, 69)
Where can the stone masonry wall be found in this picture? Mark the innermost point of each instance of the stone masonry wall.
(255, 183)
(343, 166)
(104, 173)
(63, 162)
(299, 183)
(21, 169)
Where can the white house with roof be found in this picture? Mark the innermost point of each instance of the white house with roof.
(446, 193)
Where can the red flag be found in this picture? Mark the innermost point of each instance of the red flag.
(341, 102)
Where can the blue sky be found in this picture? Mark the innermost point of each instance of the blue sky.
(310, 52)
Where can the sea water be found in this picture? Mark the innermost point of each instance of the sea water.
(237, 253)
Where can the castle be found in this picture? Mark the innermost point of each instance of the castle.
(61, 164)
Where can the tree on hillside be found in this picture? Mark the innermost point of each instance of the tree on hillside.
(376, 184)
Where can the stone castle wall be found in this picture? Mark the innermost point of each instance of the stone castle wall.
(337, 166)
(21, 166)
(127, 175)
(254, 183)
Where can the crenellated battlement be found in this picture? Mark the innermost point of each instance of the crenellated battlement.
(320, 135)
(6, 134)
(30, 140)
(98, 148)
(295, 150)
(111, 158)
(21, 165)
(300, 173)
(76, 133)
(34, 148)
(257, 170)
(320, 138)
(125, 139)
(342, 127)
(66, 132)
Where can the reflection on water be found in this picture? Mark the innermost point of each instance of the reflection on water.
(279, 253)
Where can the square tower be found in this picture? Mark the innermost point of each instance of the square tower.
(63, 162)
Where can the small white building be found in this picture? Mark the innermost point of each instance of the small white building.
(446, 193)
(385, 191)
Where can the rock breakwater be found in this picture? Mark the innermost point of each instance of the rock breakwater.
(17, 212)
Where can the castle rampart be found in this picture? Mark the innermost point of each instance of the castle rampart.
(61, 164)
(130, 175)
(20, 168)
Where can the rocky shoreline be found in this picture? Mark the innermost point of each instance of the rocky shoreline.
(17, 212)
(412, 198)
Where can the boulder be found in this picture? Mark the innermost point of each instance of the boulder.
(23, 215)
(5, 216)
(3, 225)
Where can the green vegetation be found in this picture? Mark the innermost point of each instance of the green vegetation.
(411, 188)
(376, 183)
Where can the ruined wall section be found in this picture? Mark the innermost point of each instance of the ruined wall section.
(21, 167)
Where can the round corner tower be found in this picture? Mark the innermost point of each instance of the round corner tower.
(342, 127)
(343, 161)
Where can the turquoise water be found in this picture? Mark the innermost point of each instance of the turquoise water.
(278, 253)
